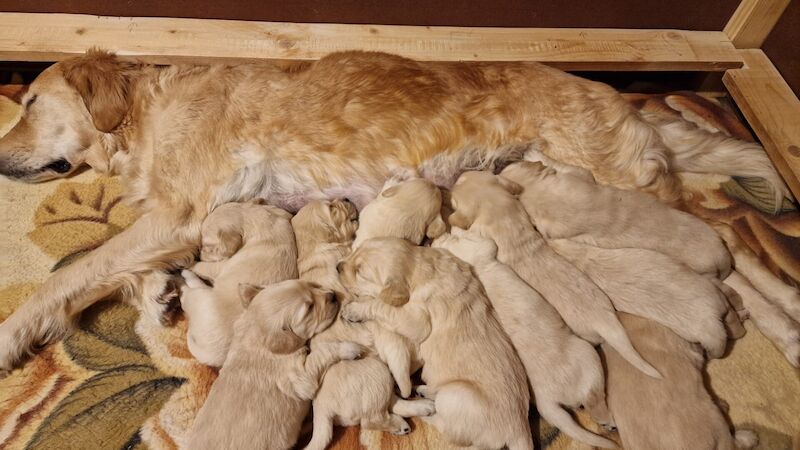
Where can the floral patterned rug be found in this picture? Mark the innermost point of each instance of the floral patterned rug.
(120, 382)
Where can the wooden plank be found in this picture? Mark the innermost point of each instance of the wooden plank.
(752, 21)
(772, 110)
(50, 37)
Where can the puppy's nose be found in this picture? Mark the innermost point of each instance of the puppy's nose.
(339, 267)
(330, 297)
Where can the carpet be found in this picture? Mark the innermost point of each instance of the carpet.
(120, 382)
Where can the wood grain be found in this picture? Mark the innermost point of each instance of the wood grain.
(752, 21)
(772, 109)
(51, 37)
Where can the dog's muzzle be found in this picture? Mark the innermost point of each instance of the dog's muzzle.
(59, 166)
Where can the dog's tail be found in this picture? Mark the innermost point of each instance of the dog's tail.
(559, 418)
(614, 334)
(694, 149)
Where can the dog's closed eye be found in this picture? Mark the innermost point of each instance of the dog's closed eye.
(30, 101)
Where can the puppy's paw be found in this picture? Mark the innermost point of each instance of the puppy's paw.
(427, 407)
(350, 350)
(353, 312)
(402, 430)
(745, 439)
(425, 392)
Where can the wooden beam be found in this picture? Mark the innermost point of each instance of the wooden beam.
(752, 21)
(772, 109)
(51, 37)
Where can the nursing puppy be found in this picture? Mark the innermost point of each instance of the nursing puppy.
(471, 370)
(407, 208)
(351, 392)
(566, 206)
(563, 369)
(265, 388)
(652, 285)
(675, 412)
(485, 203)
(241, 243)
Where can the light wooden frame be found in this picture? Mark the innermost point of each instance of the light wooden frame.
(755, 85)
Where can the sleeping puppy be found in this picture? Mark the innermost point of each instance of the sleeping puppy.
(352, 392)
(471, 369)
(408, 207)
(265, 387)
(562, 205)
(675, 412)
(485, 203)
(563, 369)
(242, 243)
(652, 285)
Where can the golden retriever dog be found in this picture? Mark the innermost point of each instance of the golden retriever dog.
(652, 285)
(351, 392)
(471, 370)
(563, 369)
(187, 138)
(487, 205)
(265, 388)
(407, 208)
(675, 412)
(565, 206)
(241, 243)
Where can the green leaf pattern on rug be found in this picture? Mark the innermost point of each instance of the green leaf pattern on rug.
(756, 192)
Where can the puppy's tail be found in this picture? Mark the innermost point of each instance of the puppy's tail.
(694, 149)
(559, 418)
(614, 334)
(192, 280)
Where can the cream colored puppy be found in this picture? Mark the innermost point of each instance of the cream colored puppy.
(265, 388)
(485, 203)
(352, 392)
(471, 369)
(563, 369)
(242, 243)
(675, 412)
(567, 206)
(652, 285)
(408, 207)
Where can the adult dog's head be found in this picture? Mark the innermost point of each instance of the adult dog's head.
(67, 110)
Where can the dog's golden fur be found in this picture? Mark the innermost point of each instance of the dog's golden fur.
(675, 412)
(241, 243)
(486, 204)
(188, 138)
(352, 392)
(264, 389)
(471, 370)
(563, 369)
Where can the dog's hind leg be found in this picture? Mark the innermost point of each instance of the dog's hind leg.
(323, 430)
(154, 242)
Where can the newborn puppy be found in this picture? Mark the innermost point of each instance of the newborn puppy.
(565, 206)
(563, 369)
(652, 285)
(352, 392)
(242, 243)
(264, 390)
(485, 203)
(405, 208)
(471, 369)
(675, 412)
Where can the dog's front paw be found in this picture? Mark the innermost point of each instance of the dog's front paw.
(402, 430)
(350, 350)
(353, 312)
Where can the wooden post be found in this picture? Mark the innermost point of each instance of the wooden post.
(752, 21)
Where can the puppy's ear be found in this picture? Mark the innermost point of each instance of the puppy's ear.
(103, 82)
(436, 228)
(459, 220)
(284, 341)
(230, 241)
(391, 192)
(510, 186)
(247, 292)
(394, 294)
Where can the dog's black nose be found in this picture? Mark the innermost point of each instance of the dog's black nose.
(330, 297)
(339, 266)
(59, 166)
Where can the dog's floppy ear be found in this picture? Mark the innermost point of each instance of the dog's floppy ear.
(391, 192)
(510, 186)
(459, 220)
(284, 341)
(103, 82)
(394, 294)
(247, 292)
(230, 241)
(436, 228)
